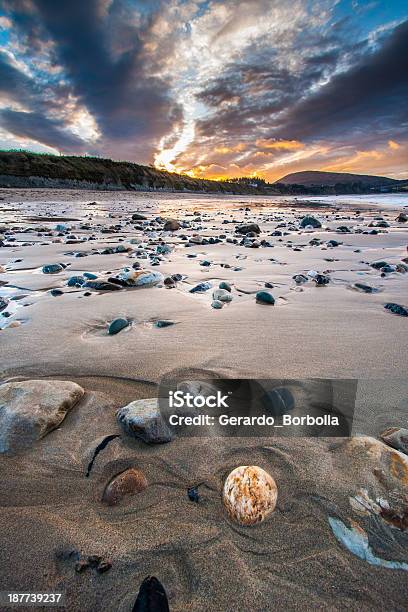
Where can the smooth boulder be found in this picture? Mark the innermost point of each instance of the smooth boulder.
(264, 297)
(142, 419)
(309, 220)
(30, 409)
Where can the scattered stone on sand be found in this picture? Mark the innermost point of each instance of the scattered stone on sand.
(321, 280)
(151, 597)
(364, 288)
(193, 494)
(397, 437)
(248, 228)
(52, 268)
(56, 292)
(397, 309)
(142, 419)
(222, 295)
(249, 494)
(117, 325)
(224, 285)
(310, 221)
(30, 409)
(140, 278)
(100, 285)
(171, 225)
(3, 303)
(163, 323)
(129, 482)
(300, 279)
(217, 304)
(264, 297)
(377, 265)
(402, 218)
(138, 217)
(201, 287)
(279, 401)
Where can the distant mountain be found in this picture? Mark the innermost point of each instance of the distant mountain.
(329, 179)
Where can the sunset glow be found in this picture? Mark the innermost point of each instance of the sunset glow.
(210, 89)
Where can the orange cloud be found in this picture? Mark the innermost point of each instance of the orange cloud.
(284, 145)
(236, 149)
(393, 145)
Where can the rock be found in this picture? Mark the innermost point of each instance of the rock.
(224, 285)
(100, 285)
(52, 268)
(379, 264)
(90, 276)
(138, 217)
(32, 408)
(364, 288)
(104, 566)
(279, 401)
(321, 280)
(193, 494)
(3, 303)
(248, 228)
(217, 304)
(249, 494)
(142, 419)
(264, 297)
(397, 309)
(171, 225)
(129, 482)
(140, 278)
(151, 597)
(309, 220)
(117, 325)
(201, 287)
(56, 292)
(163, 323)
(300, 279)
(402, 218)
(222, 295)
(163, 249)
(397, 437)
(76, 281)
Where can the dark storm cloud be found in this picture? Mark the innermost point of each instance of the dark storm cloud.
(374, 90)
(41, 129)
(101, 52)
(261, 96)
(17, 86)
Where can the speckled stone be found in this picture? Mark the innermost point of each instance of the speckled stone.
(249, 494)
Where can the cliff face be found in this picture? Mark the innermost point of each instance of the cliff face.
(23, 169)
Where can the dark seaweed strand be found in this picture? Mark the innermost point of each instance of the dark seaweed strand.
(98, 449)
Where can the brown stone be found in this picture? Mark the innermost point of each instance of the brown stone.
(129, 482)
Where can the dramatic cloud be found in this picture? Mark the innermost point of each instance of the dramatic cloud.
(212, 88)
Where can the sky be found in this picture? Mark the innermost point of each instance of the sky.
(214, 89)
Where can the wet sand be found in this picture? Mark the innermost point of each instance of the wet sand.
(293, 560)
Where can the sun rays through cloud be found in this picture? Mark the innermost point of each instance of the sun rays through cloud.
(211, 89)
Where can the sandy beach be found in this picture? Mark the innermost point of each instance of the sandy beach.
(328, 321)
